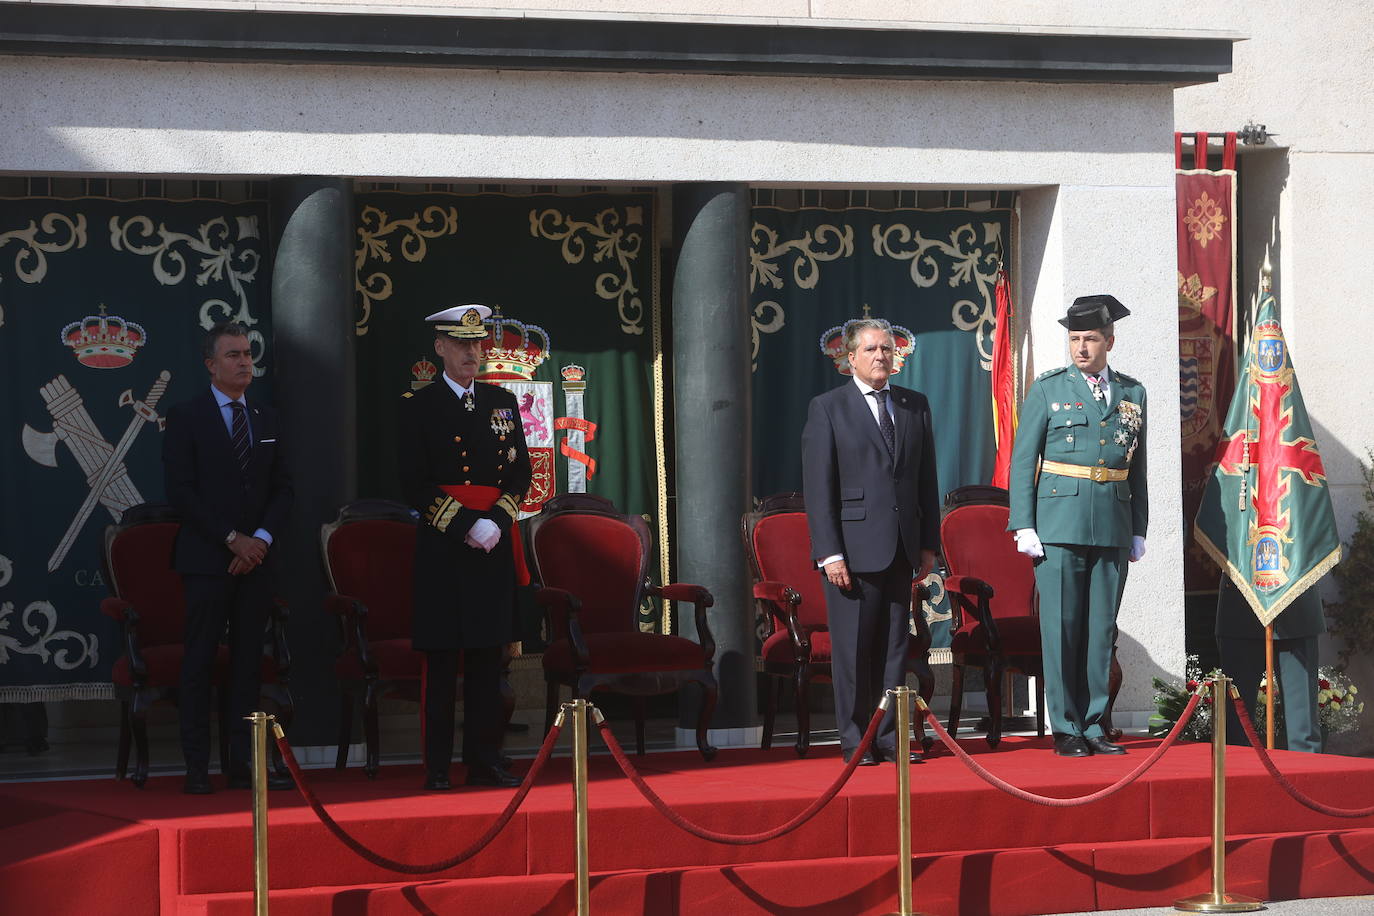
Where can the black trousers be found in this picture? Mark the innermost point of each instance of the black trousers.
(868, 645)
(483, 715)
(214, 603)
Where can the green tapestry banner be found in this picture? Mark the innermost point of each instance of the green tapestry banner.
(931, 273)
(103, 304)
(577, 335)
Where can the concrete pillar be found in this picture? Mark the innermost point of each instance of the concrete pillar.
(711, 387)
(314, 387)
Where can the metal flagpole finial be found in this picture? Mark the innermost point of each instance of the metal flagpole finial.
(1267, 275)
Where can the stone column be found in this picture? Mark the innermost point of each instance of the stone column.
(314, 387)
(711, 389)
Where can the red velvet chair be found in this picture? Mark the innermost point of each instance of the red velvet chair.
(146, 599)
(369, 557)
(790, 596)
(592, 562)
(996, 622)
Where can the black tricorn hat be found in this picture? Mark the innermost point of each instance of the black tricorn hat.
(1088, 313)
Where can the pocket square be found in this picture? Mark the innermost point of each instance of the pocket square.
(265, 441)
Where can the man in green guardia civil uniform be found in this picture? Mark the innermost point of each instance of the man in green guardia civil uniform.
(1079, 507)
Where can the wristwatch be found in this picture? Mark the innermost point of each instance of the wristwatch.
(230, 537)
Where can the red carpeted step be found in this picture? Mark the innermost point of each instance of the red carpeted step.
(1005, 882)
(63, 862)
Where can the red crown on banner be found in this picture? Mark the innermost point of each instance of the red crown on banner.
(422, 373)
(514, 349)
(832, 345)
(104, 341)
(573, 373)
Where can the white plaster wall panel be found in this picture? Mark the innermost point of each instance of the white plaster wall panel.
(1327, 318)
(1153, 15)
(1307, 72)
(1120, 240)
(1054, 15)
(139, 117)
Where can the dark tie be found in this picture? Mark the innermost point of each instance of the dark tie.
(238, 436)
(885, 423)
(1095, 383)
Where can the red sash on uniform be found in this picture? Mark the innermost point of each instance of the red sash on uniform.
(472, 496)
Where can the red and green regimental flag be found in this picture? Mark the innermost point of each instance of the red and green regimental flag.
(1266, 515)
(1003, 384)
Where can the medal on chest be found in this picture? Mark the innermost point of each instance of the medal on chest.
(502, 421)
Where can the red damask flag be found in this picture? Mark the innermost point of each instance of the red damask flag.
(1003, 384)
(1206, 204)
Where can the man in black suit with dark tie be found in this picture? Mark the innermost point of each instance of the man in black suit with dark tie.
(226, 475)
(873, 509)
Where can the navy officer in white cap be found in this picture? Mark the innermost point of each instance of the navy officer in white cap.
(465, 468)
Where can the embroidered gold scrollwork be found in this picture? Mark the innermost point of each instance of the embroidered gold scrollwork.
(226, 258)
(611, 241)
(968, 263)
(830, 243)
(63, 233)
(375, 225)
(765, 325)
(44, 635)
(1204, 219)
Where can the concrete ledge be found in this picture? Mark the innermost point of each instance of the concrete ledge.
(644, 45)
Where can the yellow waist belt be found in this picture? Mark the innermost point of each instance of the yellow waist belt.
(1099, 474)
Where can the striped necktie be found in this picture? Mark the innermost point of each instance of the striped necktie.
(239, 438)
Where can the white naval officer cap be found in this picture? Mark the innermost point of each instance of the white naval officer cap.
(462, 321)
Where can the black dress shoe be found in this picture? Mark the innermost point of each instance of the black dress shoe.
(492, 776)
(437, 782)
(197, 783)
(1101, 745)
(867, 760)
(1071, 746)
(243, 779)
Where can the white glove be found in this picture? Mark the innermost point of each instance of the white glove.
(1137, 547)
(1028, 542)
(484, 535)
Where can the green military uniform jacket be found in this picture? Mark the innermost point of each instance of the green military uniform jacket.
(1060, 421)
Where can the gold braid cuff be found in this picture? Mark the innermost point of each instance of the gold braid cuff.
(442, 511)
(508, 503)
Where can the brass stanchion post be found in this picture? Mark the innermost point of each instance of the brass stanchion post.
(1217, 900)
(579, 714)
(260, 720)
(902, 749)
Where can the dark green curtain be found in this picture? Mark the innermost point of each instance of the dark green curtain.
(932, 273)
(579, 269)
(104, 304)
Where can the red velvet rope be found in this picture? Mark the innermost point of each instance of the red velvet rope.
(739, 839)
(406, 868)
(1049, 800)
(1302, 799)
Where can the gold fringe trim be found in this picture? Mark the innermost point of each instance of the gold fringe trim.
(1266, 615)
(660, 444)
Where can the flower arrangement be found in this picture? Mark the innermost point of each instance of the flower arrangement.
(1171, 698)
(1337, 708)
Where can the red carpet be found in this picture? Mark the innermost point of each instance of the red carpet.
(98, 846)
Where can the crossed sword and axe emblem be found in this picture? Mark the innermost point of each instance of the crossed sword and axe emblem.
(101, 462)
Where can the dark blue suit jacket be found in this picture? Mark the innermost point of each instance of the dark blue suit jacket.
(858, 499)
(206, 487)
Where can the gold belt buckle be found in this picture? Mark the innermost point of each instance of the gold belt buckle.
(1097, 474)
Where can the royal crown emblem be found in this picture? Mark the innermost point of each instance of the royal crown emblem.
(514, 350)
(832, 345)
(422, 373)
(574, 377)
(104, 341)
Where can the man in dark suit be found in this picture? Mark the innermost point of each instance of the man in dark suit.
(873, 510)
(226, 475)
(465, 468)
(1240, 637)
